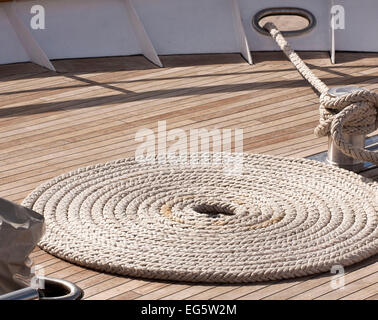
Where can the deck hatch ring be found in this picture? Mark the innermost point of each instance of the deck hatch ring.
(53, 289)
(284, 11)
(57, 289)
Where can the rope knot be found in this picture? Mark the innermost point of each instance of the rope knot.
(359, 107)
(353, 113)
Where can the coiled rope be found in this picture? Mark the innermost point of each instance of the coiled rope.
(353, 113)
(280, 218)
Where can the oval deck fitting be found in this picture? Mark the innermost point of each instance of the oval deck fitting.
(284, 11)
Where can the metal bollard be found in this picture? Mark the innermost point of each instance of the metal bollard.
(337, 158)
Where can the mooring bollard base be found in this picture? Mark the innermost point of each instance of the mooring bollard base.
(337, 158)
(371, 144)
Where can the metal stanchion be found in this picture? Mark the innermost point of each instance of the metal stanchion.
(54, 289)
(337, 158)
(22, 294)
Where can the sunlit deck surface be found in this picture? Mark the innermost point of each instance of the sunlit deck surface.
(89, 113)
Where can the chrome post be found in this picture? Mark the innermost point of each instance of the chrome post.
(335, 156)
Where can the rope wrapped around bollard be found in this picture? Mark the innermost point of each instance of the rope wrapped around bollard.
(352, 113)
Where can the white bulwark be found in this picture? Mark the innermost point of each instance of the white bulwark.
(96, 28)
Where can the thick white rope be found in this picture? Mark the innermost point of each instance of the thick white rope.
(353, 114)
(279, 218)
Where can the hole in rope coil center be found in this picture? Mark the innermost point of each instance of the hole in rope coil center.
(214, 210)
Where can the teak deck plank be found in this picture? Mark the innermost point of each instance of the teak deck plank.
(187, 293)
(373, 297)
(90, 110)
(163, 292)
(351, 287)
(363, 293)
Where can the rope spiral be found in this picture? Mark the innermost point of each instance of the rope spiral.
(352, 114)
(279, 218)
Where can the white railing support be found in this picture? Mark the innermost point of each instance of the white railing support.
(143, 39)
(240, 32)
(30, 45)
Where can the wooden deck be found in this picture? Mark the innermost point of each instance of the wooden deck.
(89, 112)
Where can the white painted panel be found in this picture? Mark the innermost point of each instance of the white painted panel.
(318, 39)
(94, 28)
(361, 26)
(11, 48)
(83, 28)
(30, 45)
(189, 26)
